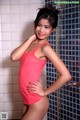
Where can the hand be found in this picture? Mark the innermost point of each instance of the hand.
(33, 37)
(37, 88)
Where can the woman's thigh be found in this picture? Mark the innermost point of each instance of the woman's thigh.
(37, 110)
(25, 109)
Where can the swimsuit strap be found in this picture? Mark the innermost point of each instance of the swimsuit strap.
(39, 46)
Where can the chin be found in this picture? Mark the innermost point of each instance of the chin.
(40, 38)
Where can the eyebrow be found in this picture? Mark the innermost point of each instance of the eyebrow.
(45, 24)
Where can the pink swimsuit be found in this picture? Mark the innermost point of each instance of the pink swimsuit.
(30, 71)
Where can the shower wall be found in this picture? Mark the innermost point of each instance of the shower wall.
(65, 102)
(16, 25)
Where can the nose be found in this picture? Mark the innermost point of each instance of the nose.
(41, 29)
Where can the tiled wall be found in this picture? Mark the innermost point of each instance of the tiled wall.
(65, 102)
(16, 25)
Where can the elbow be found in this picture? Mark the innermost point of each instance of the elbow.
(68, 77)
(12, 57)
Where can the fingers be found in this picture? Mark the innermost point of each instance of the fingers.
(35, 87)
(32, 86)
(35, 83)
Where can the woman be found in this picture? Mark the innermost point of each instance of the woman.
(33, 55)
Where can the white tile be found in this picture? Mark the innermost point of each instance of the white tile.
(32, 9)
(0, 27)
(15, 80)
(43, 81)
(0, 54)
(17, 114)
(1, 107)
(6, 45)
(14, 9)
(14, 18)
(1, 80)
(23, 1)
(6, 27)
(6, 54)
(1, 71)
(14, 27)
(7, 88)
(6, 36)
(7, 97)
(15, 44)
(31, 1)
(8, 106)
(23, 8)
(23, 27)
(17, 106)
(6, 71)
(0, 45)
(32, 17)
(14, 2)
(40, 1)
(15, 64)
(28, 34)
(10, 114)
(5, 18)
(0, 17)
(5, 8)
(23, 18)
(0, 36)
(3, 2)
(7, 63)
(1, 89)
(1, 98)
(0, 10)
(39, 5)
(7, 80)
(30, 26)
(15, 36)
(17, 97)
(44, 71)
(15, 71)
(15, 89)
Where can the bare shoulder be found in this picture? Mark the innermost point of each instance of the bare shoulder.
(46, 48)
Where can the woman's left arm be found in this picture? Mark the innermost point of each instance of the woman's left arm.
(60, 67)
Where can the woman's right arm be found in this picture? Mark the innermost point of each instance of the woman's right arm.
(18, 52)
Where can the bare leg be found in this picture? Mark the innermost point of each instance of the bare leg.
(25, 109)
(37, 110)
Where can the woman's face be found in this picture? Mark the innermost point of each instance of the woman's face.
(43, 29)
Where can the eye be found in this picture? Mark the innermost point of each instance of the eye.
(46, 26)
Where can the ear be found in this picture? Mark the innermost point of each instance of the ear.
(53, 30)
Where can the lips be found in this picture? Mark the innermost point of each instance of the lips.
(41, 35)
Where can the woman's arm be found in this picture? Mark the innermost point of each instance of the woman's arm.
(18, 52)
(60, 67)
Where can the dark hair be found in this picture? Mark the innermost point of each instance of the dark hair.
(47, 12)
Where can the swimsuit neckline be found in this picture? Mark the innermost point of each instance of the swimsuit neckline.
(36, 47)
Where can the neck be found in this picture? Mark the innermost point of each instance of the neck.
(40, 41)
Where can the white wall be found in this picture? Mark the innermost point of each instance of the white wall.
(16, 24)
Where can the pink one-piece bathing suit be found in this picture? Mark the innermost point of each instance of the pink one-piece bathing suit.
(30, 70)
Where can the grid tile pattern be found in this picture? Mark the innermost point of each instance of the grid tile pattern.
(16, 25)
(65, 102)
